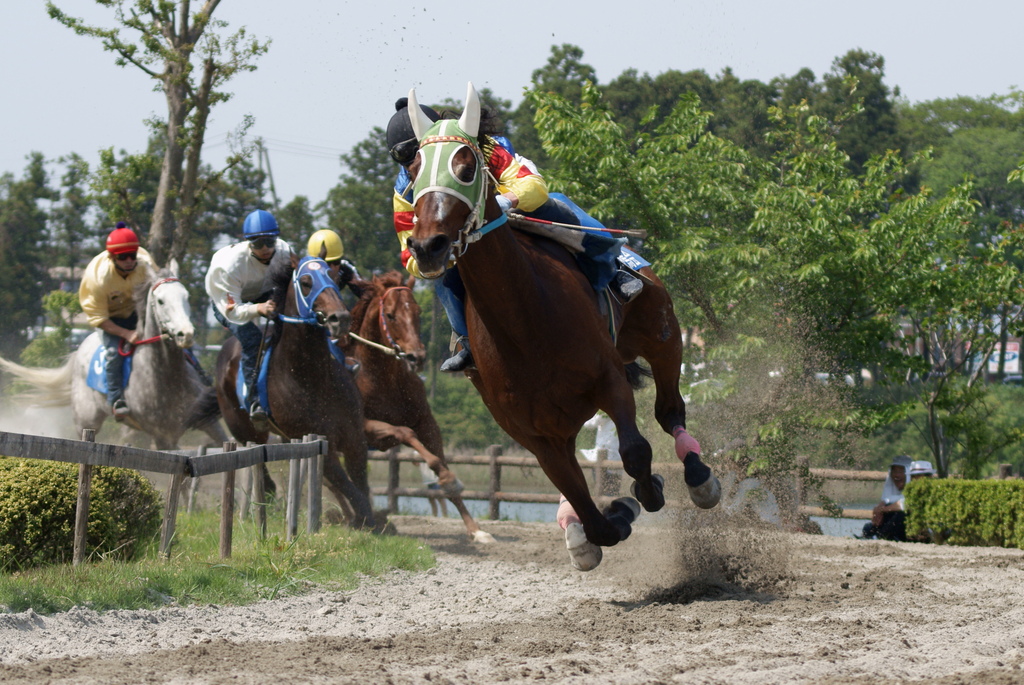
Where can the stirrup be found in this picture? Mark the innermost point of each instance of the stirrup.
(258, 416)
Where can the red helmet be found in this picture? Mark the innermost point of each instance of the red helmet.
(122, 239)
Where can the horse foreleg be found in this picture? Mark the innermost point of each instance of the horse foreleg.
(342, 487)
(384, 436)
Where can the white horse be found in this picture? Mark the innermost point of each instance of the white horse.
(163, 387)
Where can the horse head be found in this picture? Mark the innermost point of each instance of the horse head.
(399, 318)
(451, 186)
(314, 298)
(167, 306)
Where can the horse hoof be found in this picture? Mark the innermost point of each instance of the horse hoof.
(707, 495)
(584, 555)
(453, 488)
(621, 513)
(483, 537)
(654, 498)
(626, 507)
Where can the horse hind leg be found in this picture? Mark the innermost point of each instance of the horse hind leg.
(342, 487)
(652, 332)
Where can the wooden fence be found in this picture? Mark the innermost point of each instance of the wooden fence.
(180, 464)
(494, 495)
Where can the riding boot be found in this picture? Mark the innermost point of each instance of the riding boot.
(120, 409)
(626, 285)
(461, 360)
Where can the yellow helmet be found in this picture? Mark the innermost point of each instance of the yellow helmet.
(325, 238)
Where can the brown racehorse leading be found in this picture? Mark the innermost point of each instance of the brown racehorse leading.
(307, 389)
(386, 324)
(545, 359)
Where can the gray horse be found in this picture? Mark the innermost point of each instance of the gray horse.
(163, 387)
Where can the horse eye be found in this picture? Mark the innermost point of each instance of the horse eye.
(159, 301)
(306, 282)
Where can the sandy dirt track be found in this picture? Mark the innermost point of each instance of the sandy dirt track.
(685, 600)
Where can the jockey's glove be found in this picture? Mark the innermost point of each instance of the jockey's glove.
(505, 204)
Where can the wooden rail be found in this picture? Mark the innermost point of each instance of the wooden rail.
(178, 464)
(494, 495)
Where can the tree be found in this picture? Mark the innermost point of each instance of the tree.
(23, 275)
(68, 225)
(359, 207)
(168, 37)
(795, 265)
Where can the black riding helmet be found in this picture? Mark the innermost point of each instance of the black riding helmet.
(402, 143)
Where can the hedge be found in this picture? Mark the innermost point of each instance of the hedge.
(37, 513)
(967, 512)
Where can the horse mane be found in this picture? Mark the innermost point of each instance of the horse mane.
(142, 291)
(372, 289)
(280, 277)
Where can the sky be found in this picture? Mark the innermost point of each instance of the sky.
(336, 67)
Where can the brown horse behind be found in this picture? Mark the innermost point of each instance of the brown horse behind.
(386, 323)
(308, 390)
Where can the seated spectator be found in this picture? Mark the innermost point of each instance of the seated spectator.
(921, 469)
(888, 518)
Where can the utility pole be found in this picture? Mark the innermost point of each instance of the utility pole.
(264, 155)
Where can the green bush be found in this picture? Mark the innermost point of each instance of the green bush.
(37, 513)
(967, 512)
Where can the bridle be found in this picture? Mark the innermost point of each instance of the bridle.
(164, 334)
(437, 165)
(318, 271)
(395, 350)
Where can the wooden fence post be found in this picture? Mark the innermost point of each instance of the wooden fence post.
(599, 471)
(393, 472)
(314, 500)
(193, 485)
(494, 510)
(170, 514)
(294, 493)
(244, 499)
(227, 506)
(259, 499)
(82, 507)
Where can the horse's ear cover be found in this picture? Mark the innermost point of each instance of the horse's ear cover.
(470, 119)
(421, 123)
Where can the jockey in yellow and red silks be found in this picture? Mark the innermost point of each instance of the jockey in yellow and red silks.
(520, 187)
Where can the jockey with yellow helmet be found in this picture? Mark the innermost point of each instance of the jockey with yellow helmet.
(343, 272)
(107, 294)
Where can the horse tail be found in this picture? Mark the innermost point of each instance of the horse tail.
(50, 387)
(204, 411)
(635, 373)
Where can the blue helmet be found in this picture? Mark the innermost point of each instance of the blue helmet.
(259, 224)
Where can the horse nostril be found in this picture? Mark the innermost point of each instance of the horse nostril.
(432, 246)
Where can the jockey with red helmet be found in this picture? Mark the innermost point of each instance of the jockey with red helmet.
(107, 294)
(239, 292)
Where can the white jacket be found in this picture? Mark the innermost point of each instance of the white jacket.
(236, 273)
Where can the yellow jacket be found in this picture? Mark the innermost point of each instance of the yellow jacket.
(106, 294)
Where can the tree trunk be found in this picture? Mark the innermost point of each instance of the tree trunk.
(161, 234)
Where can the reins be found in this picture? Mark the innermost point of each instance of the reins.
(127, 352)
(394, 350)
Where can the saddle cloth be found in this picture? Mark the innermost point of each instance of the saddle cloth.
(96, 376)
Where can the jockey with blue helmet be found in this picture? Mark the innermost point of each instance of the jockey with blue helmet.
(239, 290)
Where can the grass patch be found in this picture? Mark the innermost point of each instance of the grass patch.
(334, 558)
